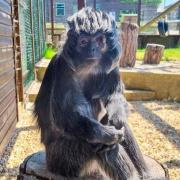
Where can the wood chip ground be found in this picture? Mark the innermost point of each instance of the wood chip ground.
(156, 126)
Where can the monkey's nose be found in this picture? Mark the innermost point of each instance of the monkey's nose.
(93, 49)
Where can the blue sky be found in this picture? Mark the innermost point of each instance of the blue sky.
(167, 2)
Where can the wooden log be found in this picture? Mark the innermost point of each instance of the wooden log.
(153, 53)
(34, 167)
(128, 38)
(131, 18)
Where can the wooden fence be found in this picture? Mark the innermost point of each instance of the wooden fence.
(8, 100)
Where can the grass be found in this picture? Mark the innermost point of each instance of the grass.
(59, 26)
(50, 52)
(171, 54)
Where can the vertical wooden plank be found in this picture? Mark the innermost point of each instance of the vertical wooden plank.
(8, 91)
(18, 65)
(15, 75)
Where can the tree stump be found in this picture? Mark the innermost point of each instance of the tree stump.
(153, 53)
(34, 168)
(129, 43)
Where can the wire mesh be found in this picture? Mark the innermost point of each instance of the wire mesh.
(31, 22)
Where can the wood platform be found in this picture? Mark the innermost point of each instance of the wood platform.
(34, 168)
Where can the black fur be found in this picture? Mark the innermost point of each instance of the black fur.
(70, 98)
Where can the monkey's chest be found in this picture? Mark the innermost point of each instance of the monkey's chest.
(98, 108)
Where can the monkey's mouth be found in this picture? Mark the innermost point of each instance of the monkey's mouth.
(92, 59)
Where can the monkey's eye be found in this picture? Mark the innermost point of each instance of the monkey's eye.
(83, 42)
(100, 39)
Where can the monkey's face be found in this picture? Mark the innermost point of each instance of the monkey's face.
(91, 47)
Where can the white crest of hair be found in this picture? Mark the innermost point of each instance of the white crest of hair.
(90, 21)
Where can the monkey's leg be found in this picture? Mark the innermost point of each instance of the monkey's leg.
(117, 114)
(133, 150)
(117, 164)
(68, 157)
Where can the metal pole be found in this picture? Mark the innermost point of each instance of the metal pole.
(52, 20)
(139, 13)
(39, 30)
(81, 4)
(44, 20)
(32, 32)
(94, 4)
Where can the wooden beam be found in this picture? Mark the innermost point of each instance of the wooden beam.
(161, 15)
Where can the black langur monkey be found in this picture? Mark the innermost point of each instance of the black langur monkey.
(80, 108)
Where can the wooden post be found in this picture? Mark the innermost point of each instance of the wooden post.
(128, 38)
(17, 49)
(14, 54)
(52, 20)
(139, 13)
(94, 4)
(153, 53)
(81, 4)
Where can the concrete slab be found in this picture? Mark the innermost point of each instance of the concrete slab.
(163, 79)
(163, 67)
(33, 91)
(139, 95)
(40, 68)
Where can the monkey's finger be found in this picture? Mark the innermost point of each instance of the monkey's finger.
(121, 135)
(106, 148)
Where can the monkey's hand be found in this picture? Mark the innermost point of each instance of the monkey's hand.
(117, 136)
(114, 135)
(108, 136)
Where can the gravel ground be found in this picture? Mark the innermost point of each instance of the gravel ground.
(156, 126)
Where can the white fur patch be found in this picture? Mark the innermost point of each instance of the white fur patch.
(92, 167)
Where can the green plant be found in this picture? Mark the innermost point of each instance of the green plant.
(50, 51)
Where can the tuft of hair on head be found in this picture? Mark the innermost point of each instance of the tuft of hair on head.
(90, 21)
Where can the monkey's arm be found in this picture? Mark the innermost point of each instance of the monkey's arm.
(117, 111)
(73, 115)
